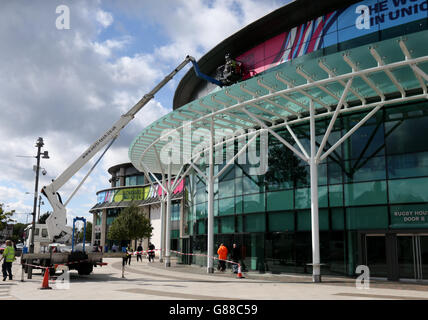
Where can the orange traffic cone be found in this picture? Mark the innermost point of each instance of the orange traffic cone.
(45, 283)
(239, 271)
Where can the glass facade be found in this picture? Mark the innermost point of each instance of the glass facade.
(376, 181)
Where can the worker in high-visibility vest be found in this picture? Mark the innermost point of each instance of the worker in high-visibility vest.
(9, 257)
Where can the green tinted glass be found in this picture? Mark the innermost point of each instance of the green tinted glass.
(365, 193)
(227, 206)
(255, 223)
(336, 195)
(408, 190)
(280, 222)
(367, 217)
(254, 203)
(303, 198)
(280, 200)
(228, 224)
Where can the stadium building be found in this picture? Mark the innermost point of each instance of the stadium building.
(314, 160)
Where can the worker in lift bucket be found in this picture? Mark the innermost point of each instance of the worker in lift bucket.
(232, 71)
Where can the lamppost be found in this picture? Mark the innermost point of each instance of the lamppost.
(40, 202)
(39, 145)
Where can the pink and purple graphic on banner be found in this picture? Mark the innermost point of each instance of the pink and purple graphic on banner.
(298, 41)
(179, 188)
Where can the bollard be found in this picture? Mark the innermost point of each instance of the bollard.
(22, 274)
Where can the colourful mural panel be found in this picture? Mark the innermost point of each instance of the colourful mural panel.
(135, 193)
(360, 19)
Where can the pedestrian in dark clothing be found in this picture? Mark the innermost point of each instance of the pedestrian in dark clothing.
(151, 252)
(236, 257)
(129, 254)
(139, 252)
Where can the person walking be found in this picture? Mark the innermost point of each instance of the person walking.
(129, 254)
(9, 257)
(222, 256)
(139, 252)
(151, 252)
(236, 257)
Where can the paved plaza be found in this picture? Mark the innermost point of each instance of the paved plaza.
(151, 281)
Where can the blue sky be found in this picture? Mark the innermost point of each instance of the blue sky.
(69, 86)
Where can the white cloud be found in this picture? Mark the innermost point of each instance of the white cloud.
(104, 18)
(70, 86)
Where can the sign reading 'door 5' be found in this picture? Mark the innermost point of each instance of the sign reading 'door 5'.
(409, 216)
(357, 20)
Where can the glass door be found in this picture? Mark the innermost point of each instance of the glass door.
(412, 254)
(375, 254)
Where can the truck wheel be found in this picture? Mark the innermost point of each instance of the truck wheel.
(85, 269)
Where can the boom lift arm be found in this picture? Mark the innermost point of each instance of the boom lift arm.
(58, 230)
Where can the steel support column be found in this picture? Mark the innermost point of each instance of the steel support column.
(210, 185)
(168, 221)
(316, 268)
(162, 218)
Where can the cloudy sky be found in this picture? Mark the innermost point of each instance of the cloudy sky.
(69, 86)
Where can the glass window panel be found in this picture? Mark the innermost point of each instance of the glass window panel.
(201, 195)
(201, 226)
(216, 211)
(238, 171)
(323, 196)
(226, 189)
(140, 180)
(216, 220)
(408, 190)
(334, 172)
(336, 195)
(408, 165)
(367, 140)
(305, 179)
(280, 200)
(405, 129)
(228, 224)
(365, 193)
(280, 222)
(254, 203)
(302, 198)
(239, 203)
(228, 174)
(304, 220)
(365, 169)
(367, 218)
(133, 180)
(255, 223)
(322, 174)
(239, 224)
(227, 206)
(337, 219)
(238, 186)
(253, 184)
(201, 210)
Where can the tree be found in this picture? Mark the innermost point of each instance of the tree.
(88, 235)
(129, 225)
(18, 232)
(5, 217)
(43, 217)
